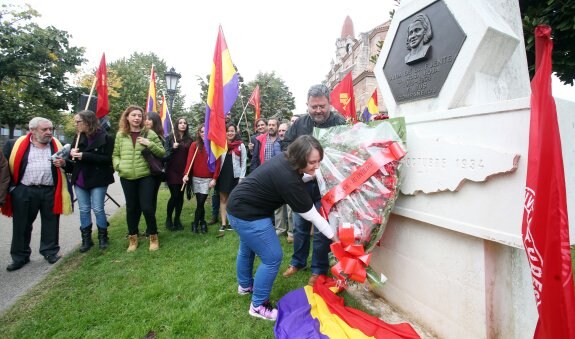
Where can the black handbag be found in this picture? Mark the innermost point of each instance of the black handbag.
(155, 164)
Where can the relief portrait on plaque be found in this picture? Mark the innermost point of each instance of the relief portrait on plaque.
(419, 34)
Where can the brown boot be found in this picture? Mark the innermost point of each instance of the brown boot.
(133, 239)
(154, 244)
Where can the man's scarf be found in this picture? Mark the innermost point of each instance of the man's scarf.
(62, 196)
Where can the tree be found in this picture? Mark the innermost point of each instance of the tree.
(128, 83)
(558, 14)
(35, 64)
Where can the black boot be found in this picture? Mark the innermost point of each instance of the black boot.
(204, 226)
(195, 227)
(169, 224)
(178, 224)
(103, 238)
(87, 242)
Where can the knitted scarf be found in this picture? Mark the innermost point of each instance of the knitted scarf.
(62, 196)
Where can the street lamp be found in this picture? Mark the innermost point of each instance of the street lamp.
(172, 78)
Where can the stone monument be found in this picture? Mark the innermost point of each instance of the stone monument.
(452, 250)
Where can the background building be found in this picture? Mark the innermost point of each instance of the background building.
(355, 55)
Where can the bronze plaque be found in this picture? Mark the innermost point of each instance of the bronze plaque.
(423, 51)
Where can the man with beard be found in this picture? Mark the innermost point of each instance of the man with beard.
(319, 116)
(38, 184)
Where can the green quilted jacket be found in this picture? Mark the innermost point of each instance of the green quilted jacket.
(127, 158)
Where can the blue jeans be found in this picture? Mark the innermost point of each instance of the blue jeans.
(88, 200)
(257, 237)
(301, 244)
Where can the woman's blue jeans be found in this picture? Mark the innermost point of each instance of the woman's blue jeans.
(257, 237)
(91, 200)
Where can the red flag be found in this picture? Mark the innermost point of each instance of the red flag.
(343, 99)
(103, 106)
(255, 101)
(545, 228)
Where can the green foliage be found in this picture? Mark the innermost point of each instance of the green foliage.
(559, 15)
(35, 64)
(276, 101)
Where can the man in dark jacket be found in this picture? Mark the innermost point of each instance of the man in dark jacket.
(320, 116)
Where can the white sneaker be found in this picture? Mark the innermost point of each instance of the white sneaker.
(244, 291)
(264, 311)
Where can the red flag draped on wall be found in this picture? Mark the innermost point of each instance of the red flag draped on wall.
(255, 101)
(545, 228)
(102, 107)
(343, 99)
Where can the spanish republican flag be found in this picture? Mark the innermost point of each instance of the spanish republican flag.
(165, 116)
(343, 99)
(317, 312)
(372, 108)
(103, 106)
(151, 103)
(545, 228)
(222, 93)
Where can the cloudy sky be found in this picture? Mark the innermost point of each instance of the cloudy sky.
(294, 39)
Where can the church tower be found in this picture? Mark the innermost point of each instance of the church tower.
(345, 42)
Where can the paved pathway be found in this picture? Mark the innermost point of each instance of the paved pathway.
(17, 283)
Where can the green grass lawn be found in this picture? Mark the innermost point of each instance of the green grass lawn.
(187, 289)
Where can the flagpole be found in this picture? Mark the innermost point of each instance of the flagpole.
(245, 115)
(190, 168)
(169, 117)
(91, 91)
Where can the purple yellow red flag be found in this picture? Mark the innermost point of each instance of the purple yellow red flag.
(222, 93)
(103, 106)
(317, 312)
(371, 109)
(545, 228)
(255, 101)
(165, 116)
(151, 104)
(343, 99)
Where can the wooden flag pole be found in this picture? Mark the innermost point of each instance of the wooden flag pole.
(190, 168)
(169, 117)
(245, 115)
(86, 108)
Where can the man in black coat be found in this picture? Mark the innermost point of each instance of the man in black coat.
(320, 116)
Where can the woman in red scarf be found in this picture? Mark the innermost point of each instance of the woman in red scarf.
(233, 169)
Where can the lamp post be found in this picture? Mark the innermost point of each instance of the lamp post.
(172, 78)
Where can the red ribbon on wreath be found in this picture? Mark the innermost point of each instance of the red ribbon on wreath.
(352, 259)
(391, 153)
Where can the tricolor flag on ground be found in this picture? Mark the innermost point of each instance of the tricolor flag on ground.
(545, 228)
(165, 116)
(102, 106)
(255, 101)
(222, 93)
(317, 312)
(343, 99)
(371, 109)
(151, 104)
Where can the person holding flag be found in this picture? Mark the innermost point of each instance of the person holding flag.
(92, 173)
